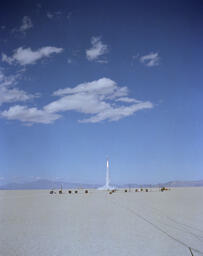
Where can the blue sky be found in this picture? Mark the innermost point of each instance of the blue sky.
(83, 80)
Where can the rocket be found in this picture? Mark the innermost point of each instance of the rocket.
(107, 174)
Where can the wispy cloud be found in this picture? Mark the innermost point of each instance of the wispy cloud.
(151, 59)
(116, 113)
(26, 56)
(99, 100)
(39, 6)
(97, 50)
(69, 15)
(9, 92)
(26, 24)
(69, 60)
(50, 15)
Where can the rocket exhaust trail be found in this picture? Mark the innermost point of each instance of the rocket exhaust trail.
(107, 184)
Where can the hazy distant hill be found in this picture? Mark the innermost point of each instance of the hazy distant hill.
(196, 183)
(49, 184)
(45, 184)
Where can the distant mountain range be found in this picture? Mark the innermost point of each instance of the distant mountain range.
(196, 183)
(49, 184)
(177, 183)
(45, 184)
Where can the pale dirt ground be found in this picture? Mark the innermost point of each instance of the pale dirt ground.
(34, 223)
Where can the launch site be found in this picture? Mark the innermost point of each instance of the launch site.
(103, 221)
(101, 145)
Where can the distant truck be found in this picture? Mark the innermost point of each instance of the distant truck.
(163, 189)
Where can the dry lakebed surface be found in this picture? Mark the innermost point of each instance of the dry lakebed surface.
(35, 223)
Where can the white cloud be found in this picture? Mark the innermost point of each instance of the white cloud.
(102, 86)
(128, 100)
(29, 115)
(100, 100)
(97, 98)
(81, 102)
(151, 59)
(26, 24)
(9, 93)
(97, 50)
(26, 56)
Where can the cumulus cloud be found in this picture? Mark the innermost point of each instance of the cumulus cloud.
(103, 86)
(97, 50)
(29, 115)
(151, 59)
(26, 56)
(99, 100)
(9, 93)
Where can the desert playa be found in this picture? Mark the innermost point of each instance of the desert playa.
(35, 223)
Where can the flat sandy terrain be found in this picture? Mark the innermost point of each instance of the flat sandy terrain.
(35, 223)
